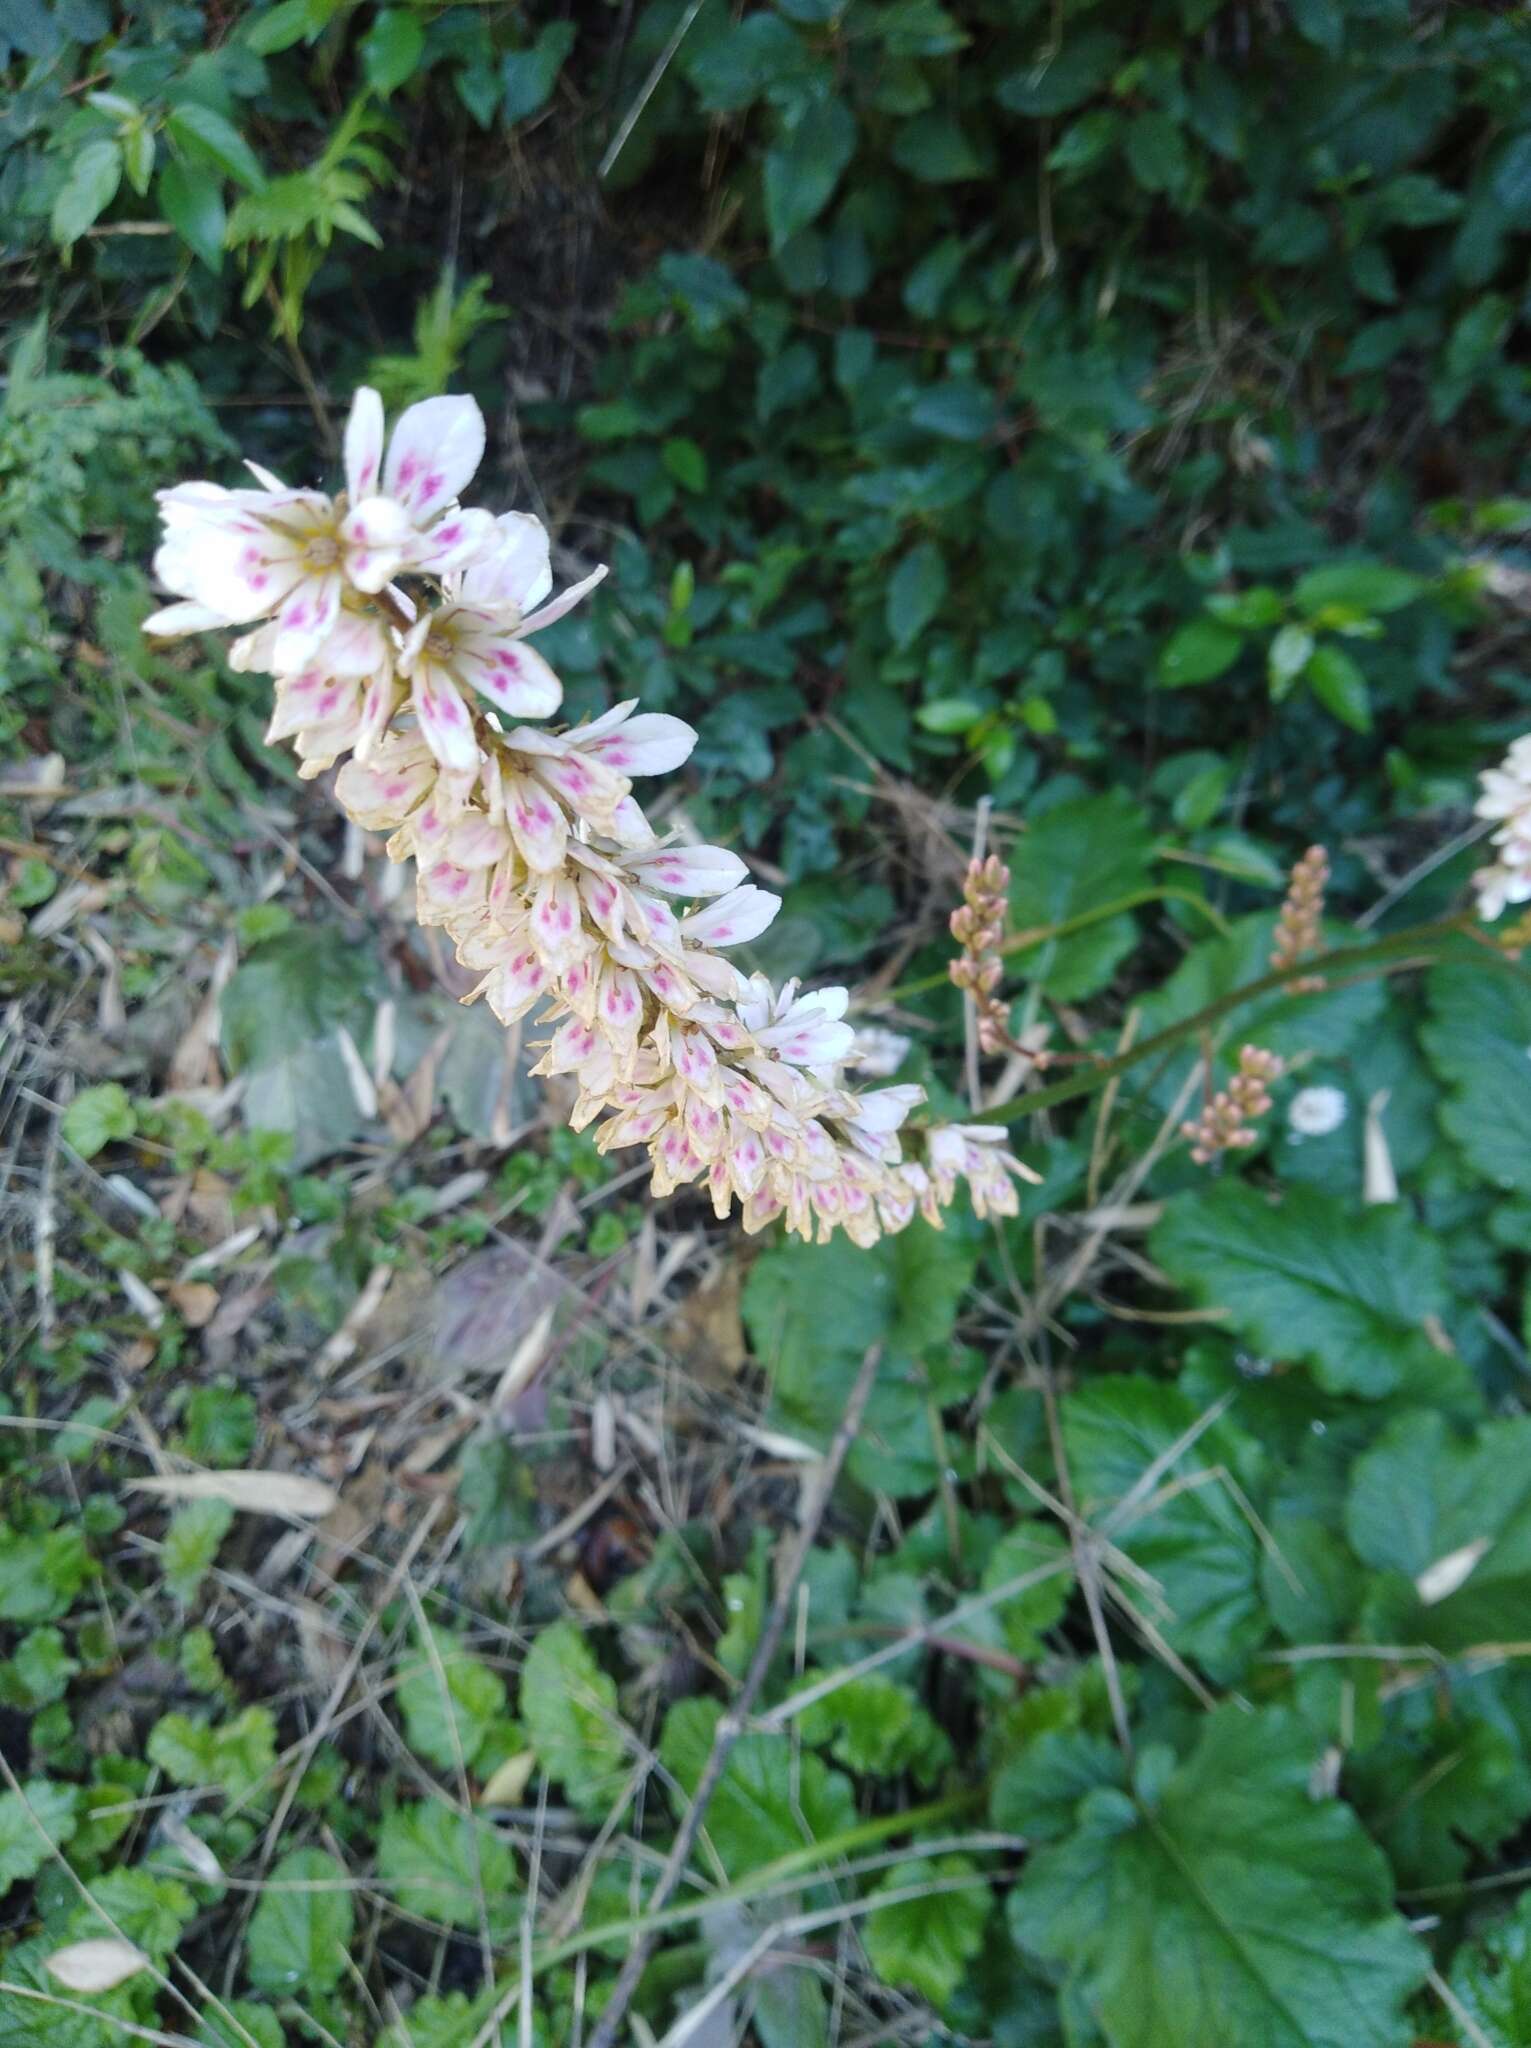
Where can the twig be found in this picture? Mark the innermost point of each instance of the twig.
(45, 1224)
(629, 122)
(731, 1725)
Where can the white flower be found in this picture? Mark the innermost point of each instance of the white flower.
(475, 641)
(1315, 1112)
(1507, 798)
(291, 555)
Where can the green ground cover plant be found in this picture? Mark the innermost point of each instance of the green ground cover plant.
(451, 1598)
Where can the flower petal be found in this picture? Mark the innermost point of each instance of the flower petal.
(537, 825)
(188, 617)
(689, 870)
(364, 444)
(564, 603)
(454, 543)
(306, 621)
(514, 678)
(514, 567)
(653, 743)
(732, 920)
(377, 537)
(444, 723)
(435, 448)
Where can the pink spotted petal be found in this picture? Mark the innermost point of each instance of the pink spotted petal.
(453, 542)
(444, 722)
(653, 743)
(306, 621)
(435, 449)
(377, 537)
(732, 920)
(536, 823)
(514, 678)
(689, 870)
(364, 444)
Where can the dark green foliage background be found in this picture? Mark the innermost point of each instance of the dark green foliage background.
(1117, 410)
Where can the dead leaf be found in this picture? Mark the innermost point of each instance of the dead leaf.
(255, 1493)
(706, 1330)
(196, 1302)
(509, 1780)
(1440, 1580)
(96, 1965)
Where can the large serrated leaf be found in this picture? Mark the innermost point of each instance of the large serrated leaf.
(1479, 1042)
(1344, 1291)
(1234, 1908)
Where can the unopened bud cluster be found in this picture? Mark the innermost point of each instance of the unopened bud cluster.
(395, 623)
(1224, 1124)
(1299, 928)
(978, 926)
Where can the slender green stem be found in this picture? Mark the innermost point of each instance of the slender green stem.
(1386, 956)
(812, 1856)
(1038, 935)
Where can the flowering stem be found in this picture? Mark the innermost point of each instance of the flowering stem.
(1039, 934)
(1387, 956)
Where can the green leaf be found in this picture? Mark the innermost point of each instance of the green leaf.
(138, 149)
(1074, 68)
(956, 411)
(925, 1944)
(95, 172)
(569, 1705)
(1290, 652)
(193, 205)
(768, 1802)
(40, 1575)
(301, 1931)
(33, 1823)
(1491, 1977)
(443, 1866)
(916, 591)
(1428, 1499)
(1440, 1795)
(1198, 652)
(191, 1544)
(806, 165)
(153, 1912)
(391, 49)
(207, 134)
(1359, 586)
(236, 1755)
(1477, 1040)
(1078, 857)
(1156, 151)
(285, 24)
(1232, 1906)
(98, 1117)
(1037, 1794)
(1312, 1280)
(1028, 1547)
(1189, 1525)
(258, 2022)
(451, 1690)
(1337, 682)
(529, 76)
(949, 715)
(934, 147)
(686, 463)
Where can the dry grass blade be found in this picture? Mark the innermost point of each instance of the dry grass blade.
(252, 1493)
